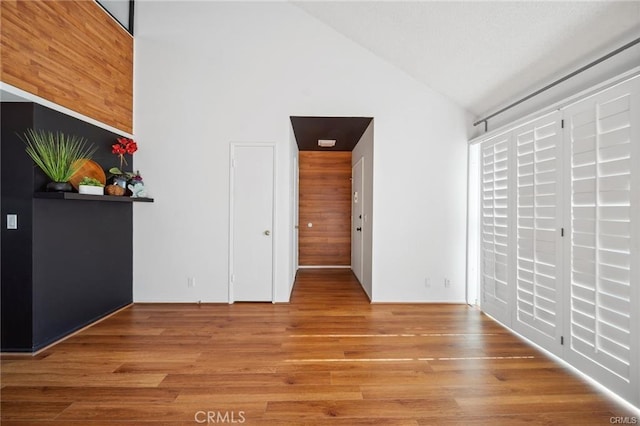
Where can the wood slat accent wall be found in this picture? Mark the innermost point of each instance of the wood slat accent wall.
(325, 201)
(70, 52)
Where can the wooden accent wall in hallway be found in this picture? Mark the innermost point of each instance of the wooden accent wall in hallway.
(71, 53)
(325, 201)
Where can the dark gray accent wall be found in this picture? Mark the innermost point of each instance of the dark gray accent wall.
(69, 262)
(16, 188)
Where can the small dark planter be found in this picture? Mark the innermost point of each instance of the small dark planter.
(59, 187)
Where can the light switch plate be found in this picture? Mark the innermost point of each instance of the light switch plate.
(12, 221)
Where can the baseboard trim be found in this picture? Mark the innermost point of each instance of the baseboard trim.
(421, 302)
(324, 267)
(6, 355)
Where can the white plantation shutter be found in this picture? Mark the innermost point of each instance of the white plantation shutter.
(578, 296)
(602, 137)
(495, 227)
(538, 260)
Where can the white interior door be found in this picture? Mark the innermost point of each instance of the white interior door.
(251, 251)
(357, 201)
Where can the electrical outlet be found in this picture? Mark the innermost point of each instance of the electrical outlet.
(427, 282)
(191, 282)
(447, 283)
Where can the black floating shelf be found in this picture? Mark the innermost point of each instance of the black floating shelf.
(85, 197)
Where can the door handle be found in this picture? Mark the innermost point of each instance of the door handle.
(359, 229)
(267, 232)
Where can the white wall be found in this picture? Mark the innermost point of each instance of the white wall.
(227, 72)
(419, 204)
(364, 150)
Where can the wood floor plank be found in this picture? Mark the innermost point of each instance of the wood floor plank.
(588, 418)
(369, 365)
(398, 408)
(25, 410)
(200, 367)
(500, 405)
(134, 413)
(250, 378)
(82, 380)
(239, 393)
(103, 394)
(70, 354)
(327, 358)
(47, 366)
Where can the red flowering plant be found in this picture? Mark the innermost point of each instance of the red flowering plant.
(122, 147)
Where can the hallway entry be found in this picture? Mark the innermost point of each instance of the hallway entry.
(333, 189)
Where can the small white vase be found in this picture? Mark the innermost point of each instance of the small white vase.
(91, 190)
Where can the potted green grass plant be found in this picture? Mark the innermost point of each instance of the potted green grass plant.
(58, 155)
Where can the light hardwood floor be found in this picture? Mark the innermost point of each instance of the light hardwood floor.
(329, 357)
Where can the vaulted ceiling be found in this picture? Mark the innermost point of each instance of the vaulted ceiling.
(483, 54)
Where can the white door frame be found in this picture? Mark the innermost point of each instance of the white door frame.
(295, 221)
(232, 149)
(354, 236)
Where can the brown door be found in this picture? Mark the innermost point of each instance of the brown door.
(325, 208)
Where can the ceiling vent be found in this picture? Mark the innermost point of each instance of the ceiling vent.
(326, 143)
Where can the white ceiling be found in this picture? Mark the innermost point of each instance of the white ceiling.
(482, 54)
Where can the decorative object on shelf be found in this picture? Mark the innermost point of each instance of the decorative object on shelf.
(138, 190)
(122, 147)
(89, 169)
(119, 179)
(59, 187)
(58, 155)
(136, 179)
(91, 186)
(114, 190)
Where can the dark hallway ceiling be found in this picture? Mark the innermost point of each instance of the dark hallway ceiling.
(347, 131)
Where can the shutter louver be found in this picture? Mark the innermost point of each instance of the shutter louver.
(601, 258)
(538, 247)
(495, 227)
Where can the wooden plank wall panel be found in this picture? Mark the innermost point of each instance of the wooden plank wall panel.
(70, 52)
(325, 201)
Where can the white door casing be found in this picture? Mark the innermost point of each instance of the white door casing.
(252, 177)
(296, 214)
(357, 223)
